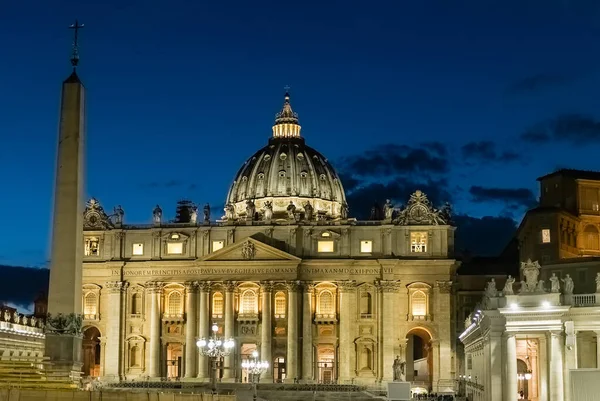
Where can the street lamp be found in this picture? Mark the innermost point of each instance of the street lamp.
(215, 348)
(255, 368)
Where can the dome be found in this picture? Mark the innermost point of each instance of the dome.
(287, 172)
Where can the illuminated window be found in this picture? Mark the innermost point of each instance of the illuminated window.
(546, 235)
(591, 238)
(418, 242)
(280, 305)
(326, 303)
(138, 249)
(217, 305)
(136, 304)
(90, 305)
(92, 246)
(174, 303)
(325, 246)
(366, 246)
(326, 235)
(216, 245)
(249, 304)
(418, 302)
(174, 248)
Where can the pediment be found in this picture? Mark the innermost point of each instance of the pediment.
(325, 235)
(249, 249)
(175, 236)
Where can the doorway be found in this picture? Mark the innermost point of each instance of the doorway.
(174, 358)
(279, 369)
(419, 358)
(326, 364)
(91, 352)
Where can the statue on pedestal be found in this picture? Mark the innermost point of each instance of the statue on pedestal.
(308, 211)
(229, 211)
(250, 210)
(398, 368)
(268, 210)
(388, 209)
(157, 215)
(508, 286)
(194, 215)
(554, 283)
(207, 213)
(490, 290)
(119, 213)
(569, 285)
(291, 210)
(344, 211)
(598, 283)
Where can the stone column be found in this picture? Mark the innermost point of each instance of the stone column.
(434, 348)
(495, 368)
(203, 327)
(113, 329)
(347, 305)
(597, 349)
(570, 357)
(555, 366)
(229, 369)
(155, 290)
(266, 333)
(389, 339)
(510, 363)
(307, 332)
(191, 312)
(291, 361)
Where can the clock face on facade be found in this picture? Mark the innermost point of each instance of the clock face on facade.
(418, 213)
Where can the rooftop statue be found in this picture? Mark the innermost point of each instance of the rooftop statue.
(508, 286)
(419, 211)
(531, 272)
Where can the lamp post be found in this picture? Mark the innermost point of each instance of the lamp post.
(215, 348)
(255, 368)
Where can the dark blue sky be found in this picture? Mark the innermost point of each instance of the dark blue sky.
(478, 98)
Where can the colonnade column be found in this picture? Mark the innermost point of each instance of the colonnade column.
(191, 312)
(113, 330)
(597, 349)
(388, 336)
(291, 361)
(307, 332)
(510, 363)
(229, 369)
(570, 357)
(266, 333)
(555, 366)
(155, 289)
(203, 325)
(347, 304)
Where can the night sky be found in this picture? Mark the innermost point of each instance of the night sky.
(470, 101)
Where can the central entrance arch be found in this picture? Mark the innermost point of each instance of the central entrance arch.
(419, 358)
(91, 352)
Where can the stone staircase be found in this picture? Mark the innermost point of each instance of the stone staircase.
(33, 373)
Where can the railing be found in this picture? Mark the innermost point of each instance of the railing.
(580, 300)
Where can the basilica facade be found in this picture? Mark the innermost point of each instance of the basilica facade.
(284, 270)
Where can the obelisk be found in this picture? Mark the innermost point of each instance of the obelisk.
(63, 326)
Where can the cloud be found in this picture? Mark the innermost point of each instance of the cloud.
(513, 198)
(486, 151)
(536, 83)
(576, 129)
(485, 236)
(21, 285)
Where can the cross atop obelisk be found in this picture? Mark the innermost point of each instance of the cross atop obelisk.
(75, 55)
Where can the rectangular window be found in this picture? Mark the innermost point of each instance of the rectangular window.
(325, 246)
(138, 249)
(366, 246)
(418, 242)
(546, 236)
(174, 248)
(216, 245)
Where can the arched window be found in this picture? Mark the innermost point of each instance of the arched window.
(592, 240)
(217, 305)
(418, 302)
(326, 303)
(90, 305)
(134, 356)
(249, 306)
(366, 310)
(136, 304)
(174, 303)
(280, 305)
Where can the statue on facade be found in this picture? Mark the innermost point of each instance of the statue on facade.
(540, 286)
(194, 215)
(569, 285)
(207, 213)
(523, 287)
(398, 368)
(268, 210)
(531, 271)
(229, 211)
(157, 215)
(388, 209)
(554, 283)
(6, 315)
(119, 214)
(250, 209)
(374, 212)
(490, 289)
(291, 211)
(308, 211)
(508, 286)
(344, 211)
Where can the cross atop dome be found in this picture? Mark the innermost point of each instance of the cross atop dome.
(286, 121)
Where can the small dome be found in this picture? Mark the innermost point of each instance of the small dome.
(286, 170)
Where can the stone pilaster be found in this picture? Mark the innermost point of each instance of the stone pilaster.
(555, 366)
(597, 349)
(307, 332)
(229, 369)
(570, 357)
(191, 312)
(203, 327)
(155, 290)
(292, 334)
(443, 299)
(266, 334)
(510, 363)
(347, 290)
(113, 329)
(494, 362)
(389, 292)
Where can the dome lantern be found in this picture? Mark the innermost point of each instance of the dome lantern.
(286, 121)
